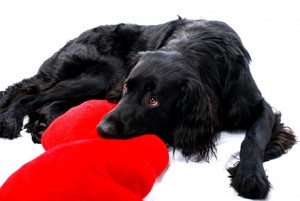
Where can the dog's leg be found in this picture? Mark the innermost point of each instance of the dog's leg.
(248, 177)
(70, 92)
(26, 86)
(10, 119)
(10, 124)
(41, 118)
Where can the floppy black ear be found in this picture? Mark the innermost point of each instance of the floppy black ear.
(196, 129)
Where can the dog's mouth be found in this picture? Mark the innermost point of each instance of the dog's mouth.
(123, 136)
(109, 130)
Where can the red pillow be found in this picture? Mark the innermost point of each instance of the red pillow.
(78, 123)
(79, 165)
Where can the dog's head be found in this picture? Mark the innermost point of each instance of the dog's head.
(162, 95)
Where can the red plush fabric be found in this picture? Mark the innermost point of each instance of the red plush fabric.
(78, 123)
(79, 165)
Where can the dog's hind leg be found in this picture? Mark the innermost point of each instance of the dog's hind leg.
(11, 117)
(43, 106)
(26, 86)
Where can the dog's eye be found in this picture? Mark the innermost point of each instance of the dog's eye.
(125, 88)
(153, 101)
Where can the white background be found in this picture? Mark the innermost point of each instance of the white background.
(32, 30)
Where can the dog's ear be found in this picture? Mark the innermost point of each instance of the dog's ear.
(196, 127)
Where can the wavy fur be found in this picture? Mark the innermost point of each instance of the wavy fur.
(196, 131)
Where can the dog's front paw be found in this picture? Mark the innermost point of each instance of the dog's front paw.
(9, 127)
(36, 127)
(249, 182)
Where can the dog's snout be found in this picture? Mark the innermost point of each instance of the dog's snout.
(106, 129)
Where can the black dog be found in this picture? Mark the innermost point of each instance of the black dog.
(184, 80)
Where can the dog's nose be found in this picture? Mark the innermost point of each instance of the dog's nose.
(106, 129)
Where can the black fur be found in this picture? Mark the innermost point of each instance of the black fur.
(185, 80)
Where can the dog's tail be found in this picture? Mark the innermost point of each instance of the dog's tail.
(283, 138)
